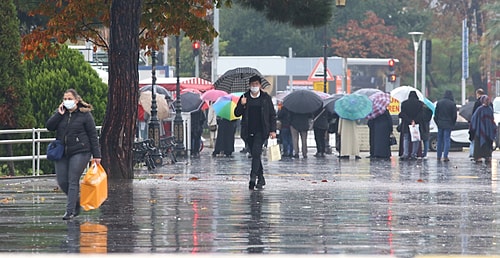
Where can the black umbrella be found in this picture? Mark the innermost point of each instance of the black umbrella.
(158, 90)
(236, 80)
(329, 103)
(302, 102)
(190, 101)
(466, 110)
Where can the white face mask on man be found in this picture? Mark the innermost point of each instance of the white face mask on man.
(254, 89)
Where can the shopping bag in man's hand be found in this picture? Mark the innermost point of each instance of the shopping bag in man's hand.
(273, 150)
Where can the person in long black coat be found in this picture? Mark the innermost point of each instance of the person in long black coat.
(198, 119)
(380, 132)
(410, 114)
(425, 129)
(224, 143)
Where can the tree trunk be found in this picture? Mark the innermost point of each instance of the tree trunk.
(119, 125)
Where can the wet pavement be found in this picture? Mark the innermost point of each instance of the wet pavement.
(309, 206)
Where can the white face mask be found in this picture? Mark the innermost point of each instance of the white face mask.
(69, 104)
(254, 89)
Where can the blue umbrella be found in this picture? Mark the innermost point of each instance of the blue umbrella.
(353, 106)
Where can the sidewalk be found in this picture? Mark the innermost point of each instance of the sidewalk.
(343, 208)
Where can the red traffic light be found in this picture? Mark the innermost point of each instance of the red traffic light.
(391, 62)
(196, 45)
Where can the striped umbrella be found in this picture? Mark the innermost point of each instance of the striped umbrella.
(380, 101)
(236, 80)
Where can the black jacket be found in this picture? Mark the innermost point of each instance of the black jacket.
(267, 111)
(410, 111)
(445, 114)
(322, 118)
(76, 130)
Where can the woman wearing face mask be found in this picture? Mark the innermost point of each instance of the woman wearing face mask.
(75, 127)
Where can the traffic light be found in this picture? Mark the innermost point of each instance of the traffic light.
(391, 65)
(428, 51)
(196, 48)
(392, 74)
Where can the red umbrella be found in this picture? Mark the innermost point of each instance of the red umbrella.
(380, 101)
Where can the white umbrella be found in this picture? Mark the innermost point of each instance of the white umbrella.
(401, 93)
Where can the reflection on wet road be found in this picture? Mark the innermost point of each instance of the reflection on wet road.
(311, 206)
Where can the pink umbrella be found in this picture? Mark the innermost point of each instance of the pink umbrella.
(213, 95)
(380, 101)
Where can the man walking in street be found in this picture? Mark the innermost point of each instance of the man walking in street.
(445, 117)
(257, 111)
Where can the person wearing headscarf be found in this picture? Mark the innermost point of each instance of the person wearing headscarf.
(380, 132)
(410, 114)
(445, 117)
(479, 93)
(484, 130)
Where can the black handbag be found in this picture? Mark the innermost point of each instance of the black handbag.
(392, 139)
(55, 150)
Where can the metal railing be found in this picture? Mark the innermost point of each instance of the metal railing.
(36, 151)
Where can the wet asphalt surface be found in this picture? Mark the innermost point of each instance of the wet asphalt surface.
(309, 206)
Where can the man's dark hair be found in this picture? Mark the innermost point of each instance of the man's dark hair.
(255, 78)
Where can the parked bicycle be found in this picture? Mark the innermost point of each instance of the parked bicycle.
(167, 148)
(143, 153)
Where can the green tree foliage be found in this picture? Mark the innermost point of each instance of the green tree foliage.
(249, 33)
(50, 77)
(297, 13)
(15, 108)
(371, 38)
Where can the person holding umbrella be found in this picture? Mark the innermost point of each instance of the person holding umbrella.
(257, 111)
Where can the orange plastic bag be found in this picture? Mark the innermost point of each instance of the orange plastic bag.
(94, 187)
(93, 238)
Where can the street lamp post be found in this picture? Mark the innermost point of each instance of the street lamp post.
(416, 38)
(154, 123)
(325, 66)
(178, 122)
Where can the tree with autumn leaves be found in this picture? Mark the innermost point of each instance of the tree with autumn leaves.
(371, 38)
(133, 25)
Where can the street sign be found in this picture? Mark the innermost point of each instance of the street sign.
(317, 73)
(320, 86)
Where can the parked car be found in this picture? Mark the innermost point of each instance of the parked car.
(460, 133)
